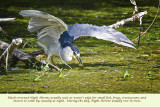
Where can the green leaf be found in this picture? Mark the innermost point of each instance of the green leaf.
(126, 75)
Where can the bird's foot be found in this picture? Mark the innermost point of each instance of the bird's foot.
(55, 67)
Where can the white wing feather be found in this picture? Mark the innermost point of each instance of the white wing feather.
(44, 23)
(48, 27)
(99, 32)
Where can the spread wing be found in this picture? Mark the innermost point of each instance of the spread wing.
(48, 27)
(99, 32)
(44, 24)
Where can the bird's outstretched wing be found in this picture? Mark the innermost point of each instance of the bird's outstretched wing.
(44, 24)
(99, 32)
(48, 27)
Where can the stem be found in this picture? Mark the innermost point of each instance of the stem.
(151, 23)
(139, 36)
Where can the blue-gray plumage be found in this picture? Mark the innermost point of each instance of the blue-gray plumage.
(65, 37)
(66, 40)
(57, 38)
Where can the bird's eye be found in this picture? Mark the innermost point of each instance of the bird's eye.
(74, 53)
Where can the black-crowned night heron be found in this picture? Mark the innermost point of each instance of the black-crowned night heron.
(57, 38)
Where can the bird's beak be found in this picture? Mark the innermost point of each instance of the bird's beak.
(79, 60)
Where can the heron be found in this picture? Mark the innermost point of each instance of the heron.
(56, 37)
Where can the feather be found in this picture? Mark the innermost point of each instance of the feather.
(48, 27)
(99, 32)
(40, 20)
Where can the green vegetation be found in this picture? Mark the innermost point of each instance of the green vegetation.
(108, 67)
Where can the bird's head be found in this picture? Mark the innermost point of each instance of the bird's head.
(68, 52)
(76, 53)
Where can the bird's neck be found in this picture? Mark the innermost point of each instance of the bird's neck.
(67, 43)
(65, 38)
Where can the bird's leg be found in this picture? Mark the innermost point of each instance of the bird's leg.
(47, 60)
(55, 67)
(51, 65)
(52, 60)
